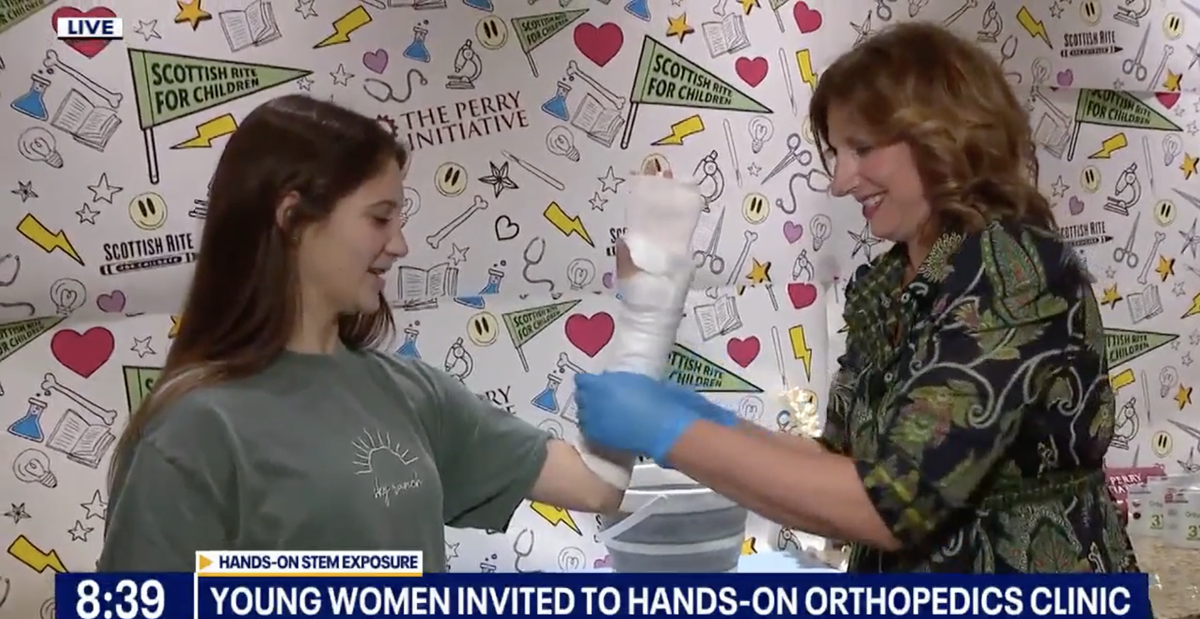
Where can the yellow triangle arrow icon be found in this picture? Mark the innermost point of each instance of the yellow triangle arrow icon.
(202, 562)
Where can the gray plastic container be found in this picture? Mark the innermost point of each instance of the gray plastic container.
(670, 523)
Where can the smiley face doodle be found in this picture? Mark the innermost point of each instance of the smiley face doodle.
(450, 179)
(756, 208)
(491, 32)
(148, 211)
(483, 329)
(1090, 179)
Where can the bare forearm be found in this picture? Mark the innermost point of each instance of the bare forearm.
(783, 439)
(792, 483)
(566, 481)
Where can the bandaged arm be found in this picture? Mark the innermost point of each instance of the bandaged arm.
(654, 274)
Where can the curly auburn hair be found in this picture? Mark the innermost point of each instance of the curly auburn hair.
(948, 100)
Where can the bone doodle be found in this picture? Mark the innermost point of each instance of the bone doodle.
(436, 238)
(50, 383)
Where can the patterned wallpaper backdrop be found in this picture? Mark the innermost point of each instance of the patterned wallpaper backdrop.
(526, 120)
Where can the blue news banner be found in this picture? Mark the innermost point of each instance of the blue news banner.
(185, 596)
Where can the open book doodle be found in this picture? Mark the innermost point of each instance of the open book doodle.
(254, 25)
(1145, 304)
(420, 288)
(599, 122)
(90, 124)
(727, 36)
(718, 318)
(81, 440)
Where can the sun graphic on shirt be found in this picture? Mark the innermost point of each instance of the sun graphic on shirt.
(370, 446)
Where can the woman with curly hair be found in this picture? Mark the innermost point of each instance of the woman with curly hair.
(969, 417)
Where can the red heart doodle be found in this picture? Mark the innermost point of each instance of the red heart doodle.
(83, 353)
(743, 352)
(599, 45)
(801, 294)
(590, 335)
(808, 20)
(752, 70)
(88, 47)
(1167, 99)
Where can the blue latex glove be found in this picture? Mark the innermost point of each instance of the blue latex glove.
(708, 411)
(631, 412)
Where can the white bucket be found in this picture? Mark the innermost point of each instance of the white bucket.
(670, 523)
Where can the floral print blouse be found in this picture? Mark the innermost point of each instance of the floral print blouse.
(975, 402)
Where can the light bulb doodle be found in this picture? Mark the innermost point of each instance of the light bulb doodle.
(48, 610)
(38, 144)
(67, 295)
(33, 467)
(750, 408)
(580, 273)
(560, 142)
(1171, 146)
(761, 131)
(553, 428)
(1168, 377)
(411, 205)
(820, 226)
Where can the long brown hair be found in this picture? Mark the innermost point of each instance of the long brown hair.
(241, 308)
(949, 101)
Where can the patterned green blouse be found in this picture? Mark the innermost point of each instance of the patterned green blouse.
(975, 401)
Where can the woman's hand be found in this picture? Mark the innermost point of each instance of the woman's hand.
(631, 412)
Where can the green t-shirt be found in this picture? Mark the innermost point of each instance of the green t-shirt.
(349, 451)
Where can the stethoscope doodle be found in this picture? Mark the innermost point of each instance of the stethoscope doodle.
(1008, 51)
(383, 92)
(6, 585)
(522, 549)
(16, 272)
(535, 252)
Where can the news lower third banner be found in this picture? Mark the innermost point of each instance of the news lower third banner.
(361, 585)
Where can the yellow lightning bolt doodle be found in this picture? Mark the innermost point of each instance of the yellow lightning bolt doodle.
(748, 546)
(35, 558)
(344, 25)
(1110, 145)
(208, 131)
(1122, 379)
(1033, 26)
(804, 62)
(36, 232)
(555, 515)
(1195, 308)
(567, 224)
(683, 129)
(800, 349)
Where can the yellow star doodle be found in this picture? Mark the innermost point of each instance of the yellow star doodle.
(760, 273)
(748, 5)
(678, 27)
(191, 13)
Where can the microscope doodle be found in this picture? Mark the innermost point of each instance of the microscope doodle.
(1132, 12)
(459, 362)
(710, 179)
(547, 399)
(1126, 192)
(1127, 425)
(468, 66)
(992, 24)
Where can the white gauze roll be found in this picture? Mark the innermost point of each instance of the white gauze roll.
(659, 222)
